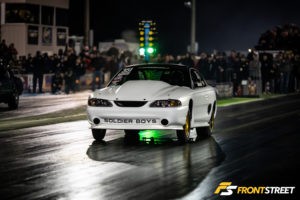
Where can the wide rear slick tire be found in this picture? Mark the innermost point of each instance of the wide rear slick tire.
(98, 134)
(205, 132)
(13, 102)
(184, 135)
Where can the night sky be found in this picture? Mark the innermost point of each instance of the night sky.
(221, 25)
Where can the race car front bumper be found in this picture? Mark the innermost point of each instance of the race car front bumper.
(141, 118)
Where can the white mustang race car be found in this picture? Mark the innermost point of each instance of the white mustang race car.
(154, 96)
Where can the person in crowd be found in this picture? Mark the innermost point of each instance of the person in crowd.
(69, 74)
(232, 62)
(47, 63)
(12, 52)
(268, 88)
(111, 65)
(122, 61)
(38, 71)
(255, 68)
(4, 50)
(85, 52)
(285, 72)
(57, 83)
(243, 72)
(212, 65)
(285, 37)
(202, 65)
(255, 73)
(79, 71)
(60, 62)
(28, 64)
(273, 76)
(266, 65)
(252, 88)
(221, 67)
(97, 64)
(233, 72)
(169, 59)
(297, 72)
(188, 60)
(293, 73)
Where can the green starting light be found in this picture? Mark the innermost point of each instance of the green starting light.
(142, 51)
(150, 50)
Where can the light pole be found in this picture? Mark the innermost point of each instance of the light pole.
(192, 5)
(86, 22)
(193, 27)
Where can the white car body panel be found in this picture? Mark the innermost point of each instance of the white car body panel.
(146, 117)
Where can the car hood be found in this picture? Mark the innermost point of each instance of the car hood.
(141, 90)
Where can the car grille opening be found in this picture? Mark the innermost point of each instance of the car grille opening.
(130, 103)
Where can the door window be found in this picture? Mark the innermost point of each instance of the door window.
(197, 80)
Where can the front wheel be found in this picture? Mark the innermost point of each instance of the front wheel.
(184, 135)
(98, 134)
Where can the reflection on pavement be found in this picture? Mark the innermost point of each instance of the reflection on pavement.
(175, 169)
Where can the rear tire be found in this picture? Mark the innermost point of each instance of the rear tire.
(184, 135)
(204, 132)
(98, 134)
(13, 102)
(19, 85)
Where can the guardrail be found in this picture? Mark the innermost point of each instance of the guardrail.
(85, 82)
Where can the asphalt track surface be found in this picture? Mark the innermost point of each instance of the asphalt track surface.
(40, 104)
(254, 144)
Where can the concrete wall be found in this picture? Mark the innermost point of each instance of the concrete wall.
(50, 49)
(17, 34)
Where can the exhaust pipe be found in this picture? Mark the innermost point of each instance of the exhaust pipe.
(96, 121)
(164, 122)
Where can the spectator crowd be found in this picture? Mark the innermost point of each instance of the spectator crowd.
(276, 71)
(285, 37)
(269, 72)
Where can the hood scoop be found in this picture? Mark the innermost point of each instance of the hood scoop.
(142, 90)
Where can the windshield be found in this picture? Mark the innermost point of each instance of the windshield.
(173, 75)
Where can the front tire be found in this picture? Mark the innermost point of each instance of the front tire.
(98, 134)
(184, 135)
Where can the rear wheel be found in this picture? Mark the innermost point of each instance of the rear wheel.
(98, 134)
(13, 102)
(184, 135)
(19, 85)
(204, 132)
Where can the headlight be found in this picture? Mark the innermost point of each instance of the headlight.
(166, 103)
(99, 102)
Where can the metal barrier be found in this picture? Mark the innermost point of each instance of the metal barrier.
(84, 82)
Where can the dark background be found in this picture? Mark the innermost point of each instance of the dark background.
(221, 25)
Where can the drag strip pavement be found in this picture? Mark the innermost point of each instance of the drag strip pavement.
(255, 143)
(62, 161)
(261, 141)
